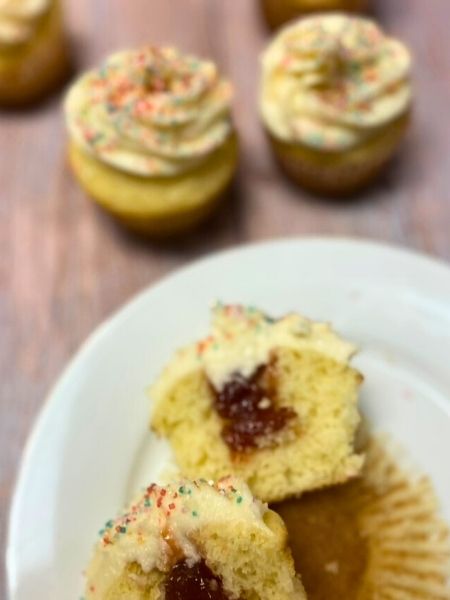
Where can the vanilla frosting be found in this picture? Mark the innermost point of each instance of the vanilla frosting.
(157, 530)
(332, 81)
(151, 112)
(19, 19)
(244, 338)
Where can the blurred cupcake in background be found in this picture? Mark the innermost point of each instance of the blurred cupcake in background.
(151, 138)
(336, 99)
(278, 12)
(33, 50)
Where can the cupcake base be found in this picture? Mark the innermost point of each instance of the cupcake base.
(339, 173)
(29, 71)
(157, 206)
(278, 12)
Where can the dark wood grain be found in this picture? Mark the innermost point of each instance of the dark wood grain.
(64, 266)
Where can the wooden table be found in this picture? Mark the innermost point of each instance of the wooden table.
(64, 266)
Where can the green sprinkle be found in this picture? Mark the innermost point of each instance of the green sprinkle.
(181, 489)
(123, 530)
(194, 513)
(147, 502)
(239, 499)
(109, 523)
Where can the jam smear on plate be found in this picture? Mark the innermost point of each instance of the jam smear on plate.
(248, 407)
(196, 582)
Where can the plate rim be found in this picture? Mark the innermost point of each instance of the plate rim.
(102, 329)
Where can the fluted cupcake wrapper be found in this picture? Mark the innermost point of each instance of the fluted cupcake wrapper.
(408, 542)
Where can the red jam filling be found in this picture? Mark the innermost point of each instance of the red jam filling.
(248, 407)
(196, 582)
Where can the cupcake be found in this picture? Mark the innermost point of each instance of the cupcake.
(380, 536)
(151, 138)
(335, 101)
(278, 12)
(33, 51)
(271, 401)
(194, 540)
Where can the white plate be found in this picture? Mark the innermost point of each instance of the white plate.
(91, 445)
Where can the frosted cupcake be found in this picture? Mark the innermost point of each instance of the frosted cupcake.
(194, 540)
(271, 401)
(151, 138)
(335, 100)
(33, 51)
(278, 12)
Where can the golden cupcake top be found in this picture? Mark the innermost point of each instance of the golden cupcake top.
(151, 112)
(156, 531)
(332, 81)
(242, 338)
(19, 19)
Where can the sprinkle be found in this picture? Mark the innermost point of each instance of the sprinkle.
(194, 513)
(239, 499)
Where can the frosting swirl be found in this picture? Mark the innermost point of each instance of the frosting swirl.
(151, 112)
(19, 19)
(332, 81)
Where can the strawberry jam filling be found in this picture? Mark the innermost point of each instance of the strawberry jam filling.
(248, 408)
(196, 582)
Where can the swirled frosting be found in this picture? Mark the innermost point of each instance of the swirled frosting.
(332, 81)
(19, 19)
(151, 112)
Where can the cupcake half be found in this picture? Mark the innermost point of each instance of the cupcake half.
(33, 50)
(335, 101)
(151, 138)
(194, 540)
(278, 12)
(272, 401)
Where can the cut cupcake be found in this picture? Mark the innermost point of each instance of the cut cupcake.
(272, 401)
(194, 540)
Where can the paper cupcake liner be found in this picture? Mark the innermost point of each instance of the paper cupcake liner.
(278, 12)
(408, 542)
(379, 537)
(38, 67)
(341, 173)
